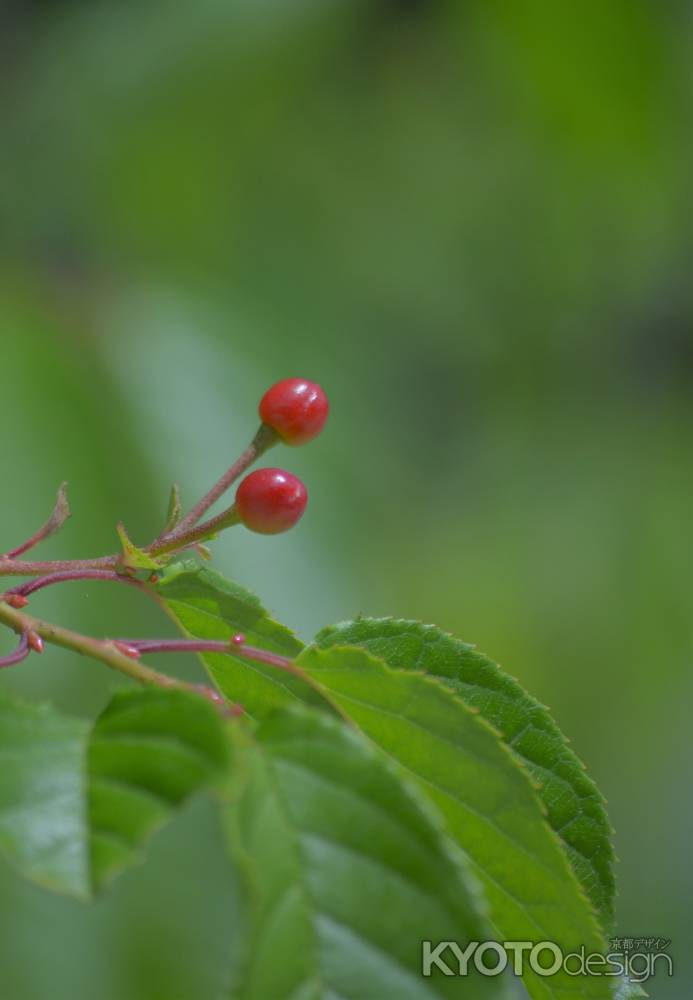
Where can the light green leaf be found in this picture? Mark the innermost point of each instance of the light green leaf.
(485, 795)
(76, 806)
(134, 558)
(206, 606)
(348, 870)
(574, 806)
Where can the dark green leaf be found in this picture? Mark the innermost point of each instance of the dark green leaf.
(574, 806)
(77, 806)
(148, 753)
(348, 870)
(484, 793)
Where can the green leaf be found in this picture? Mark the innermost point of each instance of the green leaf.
(175, 509)
(485, 795)
(206, 606)
(76, 806)
(348, 870)
(574, 806)
(42, 794)
(148, 753)
(134, 558)
(625, 990)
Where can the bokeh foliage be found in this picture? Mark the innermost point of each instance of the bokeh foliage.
(471, 222)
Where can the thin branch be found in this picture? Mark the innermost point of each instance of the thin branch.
(178, 541)
(97, 649)
(65, 576)
(176, 645)
(26, 567)
(61, 512)
(104, 650)
(187, 534)
(235, 647)
(17, 655)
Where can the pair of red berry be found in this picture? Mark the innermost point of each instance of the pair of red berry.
(271, 500)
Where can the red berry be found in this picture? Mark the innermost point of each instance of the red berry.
(270, 500)
(295, 409)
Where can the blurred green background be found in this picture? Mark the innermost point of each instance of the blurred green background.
(470, 222)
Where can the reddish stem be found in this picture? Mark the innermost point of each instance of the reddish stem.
(17, 655)
(180, 540)
(209, 646)
(30, 543)
(235, 647)
(176, 645)
(64, 576)
(27, 567)
(264, 656)
(58, 517)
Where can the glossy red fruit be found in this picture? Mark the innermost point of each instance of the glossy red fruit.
(296, 409)
(270, 501)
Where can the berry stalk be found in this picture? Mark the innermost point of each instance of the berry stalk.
(178, 540)
(263, 440)
(293, 411)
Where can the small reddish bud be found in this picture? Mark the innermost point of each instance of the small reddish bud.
(126, 650)
(15, 600)
(153, 578)
(35, 641)
(238, 639)
(270, 501)
(295, 409)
